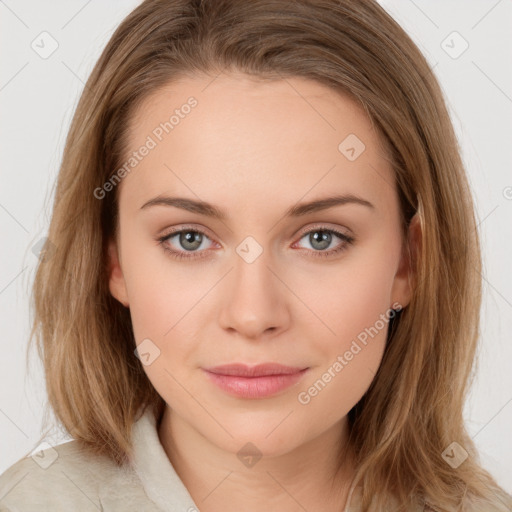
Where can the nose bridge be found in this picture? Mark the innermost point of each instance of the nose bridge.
(255, 301)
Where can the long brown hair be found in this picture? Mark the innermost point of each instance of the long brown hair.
(413, 409)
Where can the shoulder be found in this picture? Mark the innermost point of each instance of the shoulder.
(471, 503)
(502, 503)
(68, 477)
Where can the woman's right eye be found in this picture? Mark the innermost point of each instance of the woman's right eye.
(179, 243)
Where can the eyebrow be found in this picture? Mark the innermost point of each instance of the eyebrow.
(209, 210)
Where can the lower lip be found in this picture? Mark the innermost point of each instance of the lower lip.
(255, 387)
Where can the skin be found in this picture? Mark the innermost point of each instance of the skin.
(255, 149)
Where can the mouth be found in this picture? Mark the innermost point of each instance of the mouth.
(252, 382)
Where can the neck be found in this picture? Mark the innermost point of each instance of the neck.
(314, 476)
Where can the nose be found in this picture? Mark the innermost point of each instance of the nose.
(256, 302)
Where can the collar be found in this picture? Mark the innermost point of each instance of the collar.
(158, 476)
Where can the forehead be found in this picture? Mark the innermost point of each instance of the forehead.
(233, 138)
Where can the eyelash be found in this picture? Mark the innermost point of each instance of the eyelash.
(191, 255)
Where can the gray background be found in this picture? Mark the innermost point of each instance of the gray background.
(38, 97)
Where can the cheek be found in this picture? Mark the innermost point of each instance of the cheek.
(349, 359)
(164, 321)
(164, 307)
(354, 305)
(349, 297)
(357, 299)
(159, 292)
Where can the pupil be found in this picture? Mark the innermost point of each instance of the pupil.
(190, 240)
(325, 239)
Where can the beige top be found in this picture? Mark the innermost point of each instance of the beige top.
(66, 477)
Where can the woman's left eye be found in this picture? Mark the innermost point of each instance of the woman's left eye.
(191, 241)
(321, 238)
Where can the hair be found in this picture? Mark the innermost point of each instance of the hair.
(413, 409)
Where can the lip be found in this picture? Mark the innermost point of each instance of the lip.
(259, 381)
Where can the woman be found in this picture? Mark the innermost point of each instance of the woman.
(262, 293)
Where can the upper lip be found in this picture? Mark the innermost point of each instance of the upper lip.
(244, 370)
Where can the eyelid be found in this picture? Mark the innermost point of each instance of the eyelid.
(185, 227)
(326, 226)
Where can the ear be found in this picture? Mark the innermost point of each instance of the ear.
(403, 284)
(116, 281)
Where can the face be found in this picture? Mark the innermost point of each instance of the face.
(267, 279)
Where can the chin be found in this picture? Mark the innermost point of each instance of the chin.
(266, 438)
